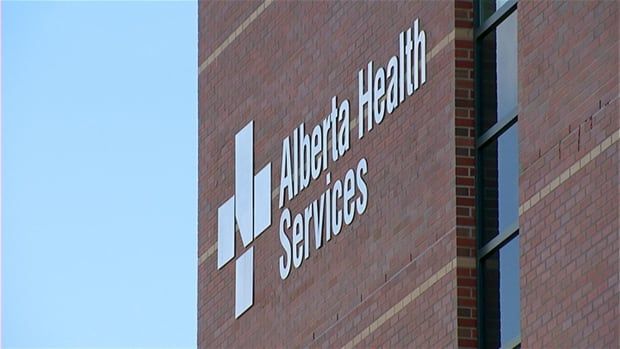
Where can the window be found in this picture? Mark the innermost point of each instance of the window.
(497, 146)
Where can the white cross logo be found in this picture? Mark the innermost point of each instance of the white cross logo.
(250, 208)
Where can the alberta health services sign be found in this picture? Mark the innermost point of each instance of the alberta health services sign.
(304, 158)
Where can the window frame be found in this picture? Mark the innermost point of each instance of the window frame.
(484, 138)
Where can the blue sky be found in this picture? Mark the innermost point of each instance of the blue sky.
(99, 151)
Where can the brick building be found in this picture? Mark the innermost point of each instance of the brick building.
(408, 174)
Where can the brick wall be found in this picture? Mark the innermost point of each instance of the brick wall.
(465, 175)
(391, 276)
(568, 93)
(403, 273)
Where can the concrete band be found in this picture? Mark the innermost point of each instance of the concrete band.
(234, 35)
(569, 172)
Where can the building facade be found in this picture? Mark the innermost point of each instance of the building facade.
(408, 174)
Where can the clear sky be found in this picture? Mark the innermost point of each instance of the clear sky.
(99, 152)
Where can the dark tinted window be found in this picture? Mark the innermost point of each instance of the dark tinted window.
(488, 7)
(500, 184)
(498, 79)
(498, 174)
(501, 294)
